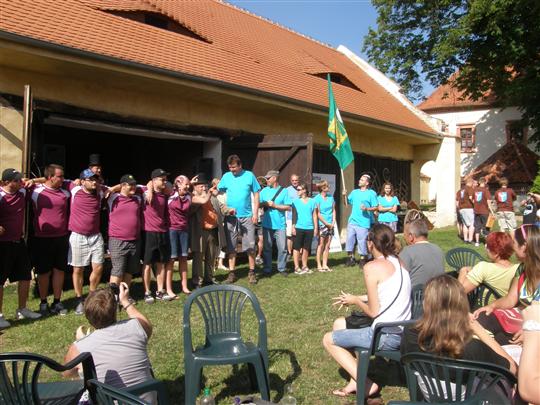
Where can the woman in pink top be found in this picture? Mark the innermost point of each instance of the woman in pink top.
(179, 204)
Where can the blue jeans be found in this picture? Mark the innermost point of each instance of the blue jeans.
(357, 234)
(349, 338)
(281, 243)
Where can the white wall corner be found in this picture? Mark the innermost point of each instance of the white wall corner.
(448, 168)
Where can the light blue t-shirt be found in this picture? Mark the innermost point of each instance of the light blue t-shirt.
(304, 213)
(274, 218)
(239, 189)
(387, 216)
(358, 197)
(293, 195)
(326, 207)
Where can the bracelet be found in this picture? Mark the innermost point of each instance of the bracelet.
(531, 326)
(127, 306)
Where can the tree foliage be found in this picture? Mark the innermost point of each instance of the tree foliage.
(536, 184)
(493, 44)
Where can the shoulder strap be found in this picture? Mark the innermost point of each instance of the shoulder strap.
(276, 195)
(397, 295)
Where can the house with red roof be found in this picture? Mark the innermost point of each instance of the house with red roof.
(492, 144)
(183, 84)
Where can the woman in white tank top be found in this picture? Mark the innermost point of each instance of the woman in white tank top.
(388, 299)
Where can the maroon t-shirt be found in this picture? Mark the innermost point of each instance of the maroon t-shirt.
(156, 216)
(462, 197)
(178, 211)
(505, 198)
(12, 206)
(85, 212)
(125, 216)
(51, 211)
(481, 197)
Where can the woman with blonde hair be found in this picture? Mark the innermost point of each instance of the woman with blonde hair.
(447, 329)
(326, 207)
(524, 290)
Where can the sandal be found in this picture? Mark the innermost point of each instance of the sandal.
(321, 269)
(298, 270)
(306, 270)
(342, 393)
(328, 269)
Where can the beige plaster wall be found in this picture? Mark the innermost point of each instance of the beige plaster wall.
(11, 125)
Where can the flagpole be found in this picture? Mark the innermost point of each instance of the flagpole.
(343, 183)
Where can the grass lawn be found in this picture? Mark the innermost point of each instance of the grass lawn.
(298, 311)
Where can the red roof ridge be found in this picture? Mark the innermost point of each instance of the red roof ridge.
(268, 20)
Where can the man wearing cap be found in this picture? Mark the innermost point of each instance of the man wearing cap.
(364, 203)
(86, 246)
(239, 184)
(14, 263)
(94, 164)
(275, 202)
(125, 220)
(292, 191)
(207, 230)
(50, 244)
(157, 249)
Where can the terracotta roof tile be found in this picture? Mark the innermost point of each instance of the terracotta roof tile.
(242, 49)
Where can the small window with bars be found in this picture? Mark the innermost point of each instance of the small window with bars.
(468, 141)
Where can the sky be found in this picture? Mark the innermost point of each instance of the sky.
(333, 22)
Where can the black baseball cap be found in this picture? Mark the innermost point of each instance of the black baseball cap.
(129, 179)
(11, 175)
(158, 173)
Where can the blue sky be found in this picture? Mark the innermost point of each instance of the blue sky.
(334, 22)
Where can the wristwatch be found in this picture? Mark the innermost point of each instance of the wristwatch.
(531, 326)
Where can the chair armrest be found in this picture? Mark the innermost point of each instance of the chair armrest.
(377, 332)
(149, 386)
(263, 336)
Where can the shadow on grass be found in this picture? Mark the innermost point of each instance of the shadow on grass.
(382, 372)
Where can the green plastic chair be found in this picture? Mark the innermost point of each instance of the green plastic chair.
(481, 296)
(20, 379)
(221, 307)
(461, 257)
(108, 395)
(364, 354)
(450, 381)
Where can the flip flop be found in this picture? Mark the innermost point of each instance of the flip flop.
(342, 393)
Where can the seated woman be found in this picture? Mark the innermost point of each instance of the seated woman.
(498, 273)
(525, 287)
(447, 329)
(388, 299)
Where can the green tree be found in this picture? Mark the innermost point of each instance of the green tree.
(536, 183)
(493, 44)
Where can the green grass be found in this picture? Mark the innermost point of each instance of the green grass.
(298, 311)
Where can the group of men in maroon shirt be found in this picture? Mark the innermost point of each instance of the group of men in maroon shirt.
(473, 208)
(67, 227)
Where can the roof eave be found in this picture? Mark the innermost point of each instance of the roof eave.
(21, 39)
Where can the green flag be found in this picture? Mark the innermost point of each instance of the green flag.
(339, 140)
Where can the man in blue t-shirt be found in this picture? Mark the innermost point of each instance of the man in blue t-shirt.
(276, 202)
(240, 184)
(364, 203)
(293, 195)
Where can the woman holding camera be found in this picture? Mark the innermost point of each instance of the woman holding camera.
(388, 299)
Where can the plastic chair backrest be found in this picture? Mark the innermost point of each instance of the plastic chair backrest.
(417, 297)
(481, 296)
(20, 375)
(461, 257)
(221, 307)
(450, 380)
(107, 395)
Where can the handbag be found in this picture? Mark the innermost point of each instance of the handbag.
(511, 320)
(359, 319)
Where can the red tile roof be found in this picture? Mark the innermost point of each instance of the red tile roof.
(239, 48)
(447, 98)
(514, 161)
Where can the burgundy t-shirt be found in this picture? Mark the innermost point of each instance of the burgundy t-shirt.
(505, 198)
(462, 197)
(85, 212)
(156, 216)
(125, 216)
(481, 197)
(51, 211)
(178, 211)
(12, 206)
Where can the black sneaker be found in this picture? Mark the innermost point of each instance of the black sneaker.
(44, 309)
(351, 262)
(58, 309)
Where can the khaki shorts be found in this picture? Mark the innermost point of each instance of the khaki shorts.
(240, 228)
(506, 220)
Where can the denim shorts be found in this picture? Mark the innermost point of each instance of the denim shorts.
(179, 243)
(349, 338)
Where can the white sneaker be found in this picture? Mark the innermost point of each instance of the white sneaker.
(3, 323)
(25, 313)
(476, 244)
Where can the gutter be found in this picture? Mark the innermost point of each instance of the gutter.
(63, 49)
